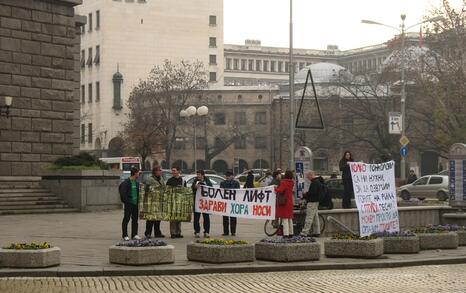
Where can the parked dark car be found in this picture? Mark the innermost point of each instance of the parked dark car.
(335, 186)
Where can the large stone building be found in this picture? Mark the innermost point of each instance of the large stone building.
(39, 53)
(124, 39)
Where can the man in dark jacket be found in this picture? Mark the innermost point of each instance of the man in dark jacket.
(229, 223)
(176, 181)
(201, 179)
(312, 197)
(412, 177)
(129, 195)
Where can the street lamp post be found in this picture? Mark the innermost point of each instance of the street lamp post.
(291, 90)
(402, 32)
(191, 111)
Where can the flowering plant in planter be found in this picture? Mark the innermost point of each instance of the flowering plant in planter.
(432, 229)
(438, 237)
(294, 239)
(346, 236)
(213, 241)
(395, 234)
(28, 246)
(142, 243)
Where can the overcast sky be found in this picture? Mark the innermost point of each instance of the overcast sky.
(318, 23)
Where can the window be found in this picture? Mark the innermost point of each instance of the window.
(180, 143)
(261, 117)
(265, 65)
(272, 66)
(83, 58)
(287, 66)
(219, 119)
(89, 57)
(201, 142)
(280, 66)
(235, 64)
(240, 142)
(212, 59)
(97, 19)
(258, 65)
(83, 29)
(97, 91)
(243, 64)
(213, 42)
(301, 65)
(89, 94)
(83, 133)
(83, 94)
(435, 180)
(89, 134)
(240, 118)
(261, 142)
(219, 143)
(212, 76)
(97, 55)
(421, 181)
(320, 161)
(250, 65)
(212, 20)
(228, 63)
(90, 22)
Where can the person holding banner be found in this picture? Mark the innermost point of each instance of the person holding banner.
(176, 181)
(156, 180)
(312, 197)
(284, 209)
(201, 179)
(347, 180)
(229, 223)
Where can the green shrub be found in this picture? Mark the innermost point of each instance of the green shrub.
(82, 160)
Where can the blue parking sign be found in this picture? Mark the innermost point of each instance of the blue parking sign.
(404, 151)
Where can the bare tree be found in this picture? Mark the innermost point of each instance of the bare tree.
(155, 105)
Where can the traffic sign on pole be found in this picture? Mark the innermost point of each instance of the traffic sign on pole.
(404, 140)
(395, 122)
(404, 151)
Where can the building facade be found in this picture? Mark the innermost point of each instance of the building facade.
(124, 39)
(39, 53)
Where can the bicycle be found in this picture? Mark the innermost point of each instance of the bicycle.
(271, 227)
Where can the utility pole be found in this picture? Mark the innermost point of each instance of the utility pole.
(291, 94)
(403, 94)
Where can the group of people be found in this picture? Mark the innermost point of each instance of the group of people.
(129, 193)
(284, 188)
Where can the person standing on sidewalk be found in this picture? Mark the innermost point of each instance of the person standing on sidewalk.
(347, 180)
(155, 180)
(201, 179)
(249, 181)
(229, 223)
(284, 210)
(312, 198)
(175, 181)
(129, 195)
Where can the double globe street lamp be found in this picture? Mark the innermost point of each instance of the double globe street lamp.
(191, 111)
(402, 30)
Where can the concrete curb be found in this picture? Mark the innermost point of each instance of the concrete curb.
(219, 269)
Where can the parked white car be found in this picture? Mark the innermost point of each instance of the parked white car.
(430, 186)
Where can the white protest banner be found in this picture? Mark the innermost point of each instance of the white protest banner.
(250, 203)
(375, 195)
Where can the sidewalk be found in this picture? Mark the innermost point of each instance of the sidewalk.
(84, 239)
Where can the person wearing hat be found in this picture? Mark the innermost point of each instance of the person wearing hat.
(229, 223)
(412, 177)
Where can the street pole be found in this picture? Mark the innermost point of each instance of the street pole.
(194, 128)
(403, 94)
(291, 88)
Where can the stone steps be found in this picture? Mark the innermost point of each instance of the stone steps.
(25, 195)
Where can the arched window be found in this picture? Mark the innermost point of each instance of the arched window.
(220, 166)
(115, 147)
(242, 166)
(200, 165)
(181, 164)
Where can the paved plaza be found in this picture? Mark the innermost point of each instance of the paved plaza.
(447, 278)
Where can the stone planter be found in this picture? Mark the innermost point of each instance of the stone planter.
(461, 237)
(401, 244)
(447, 240)
(40, 258)
(287, 252)
(211, 253)
(150, 255)
(353, 248)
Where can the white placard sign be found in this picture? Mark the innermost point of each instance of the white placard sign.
(250, 203)
(375, 195)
